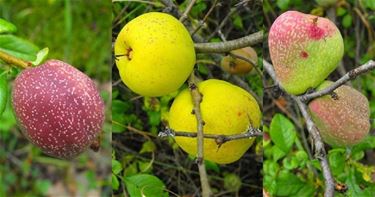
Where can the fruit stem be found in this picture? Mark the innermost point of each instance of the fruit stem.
(14, 60)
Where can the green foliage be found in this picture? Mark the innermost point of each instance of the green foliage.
(145, 185)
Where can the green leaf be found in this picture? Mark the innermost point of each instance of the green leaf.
(7, 27)
(277, 153)
(347, 21)
(3, 93)
(282, 132)
(288, 184)
(41, 56)
(148, 147)
(115, 182)
(341, 11)
(18, 47)
(237, 22)
(42, 186)
(283, 4)
(336, 158)
(210, 165)
(116, 166)
(145, 185)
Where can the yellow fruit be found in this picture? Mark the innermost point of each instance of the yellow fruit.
(226, 110)
(154, 54)
(235, 65)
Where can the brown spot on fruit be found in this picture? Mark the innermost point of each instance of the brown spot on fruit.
(58, 108)
(304, 54)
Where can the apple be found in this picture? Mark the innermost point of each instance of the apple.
(226, 110)
(154, 54)
(304, 50)
(58, 108)
(342, 120)
(238, 66)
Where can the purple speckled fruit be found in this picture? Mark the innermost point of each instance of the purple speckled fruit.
(58, 108)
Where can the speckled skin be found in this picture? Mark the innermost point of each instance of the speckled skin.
(226, 110)
(155, 54)
(304, 50)
(342, 122)
(58, 108)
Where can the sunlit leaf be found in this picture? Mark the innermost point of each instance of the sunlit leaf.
(144, 185)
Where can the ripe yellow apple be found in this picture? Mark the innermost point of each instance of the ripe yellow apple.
(238, 66)
(226, 110)
(154, 54)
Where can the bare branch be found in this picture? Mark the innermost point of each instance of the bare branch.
(222, 47)
(186, 12)
(214, 4)
(197, 99)
(14, 60)
(370, 65)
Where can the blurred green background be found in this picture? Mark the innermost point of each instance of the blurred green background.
(79, 33)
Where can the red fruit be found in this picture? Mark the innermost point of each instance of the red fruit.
(58, 108)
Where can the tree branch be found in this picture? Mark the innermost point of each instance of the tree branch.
(220, 139)
(14, 60)
(186, 12)
(197, 99)
(320, 152)
(370, 65)
(222, 47)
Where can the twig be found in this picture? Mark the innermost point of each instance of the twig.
(197, 99)
(220, 139)
(320, 152)
(370, 65)
(222, 47)
(214, 4)
(14, 60)
(187, 10)
(248, 60)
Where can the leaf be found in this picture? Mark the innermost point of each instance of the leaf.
(116, 166)
(42, 186)
(288, 184)
(145, 185)
(283, 4)
(148, 147)
(3, 93)
(41, 56)
(115, 182)
(237, 22)
(336, 158)
(277, 153)
(211, 166)
(18, 47)
(282, 132)
(7, 27)
(347, 21)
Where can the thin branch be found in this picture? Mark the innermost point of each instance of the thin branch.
(197, 99)
(14, 60)
(220, 139)
(187, 11)
(222, 47)
(248, 60)
(320, 152)
(214, 4)
(370, 65)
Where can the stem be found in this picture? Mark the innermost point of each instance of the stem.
(222, 47)
(14, 60)
(197, 99)
(370, 65)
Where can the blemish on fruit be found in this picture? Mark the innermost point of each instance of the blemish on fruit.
(128, 53)
(304, 54)
(315, 32)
